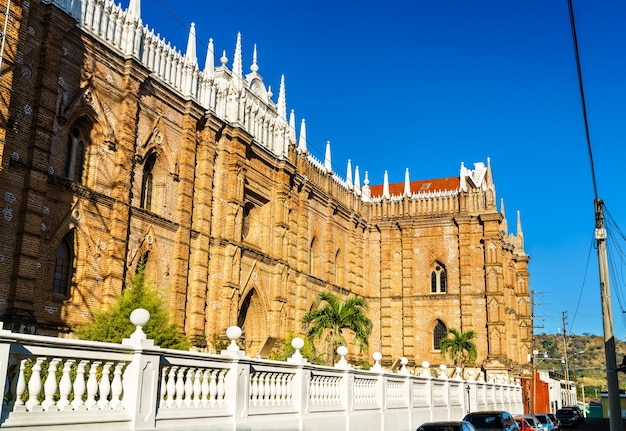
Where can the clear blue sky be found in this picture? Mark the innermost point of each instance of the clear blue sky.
(426, 85)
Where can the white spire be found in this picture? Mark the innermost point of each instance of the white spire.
(302, 141)
(134, 9)
(349, 174)
(209, 65)
(282, 99)
(254, 67)
(292, 127)
(386, 186)
(190, 54)
(365, 191)
(520, 234)
(237, 64)
(357, 181)
(463, 184)
(407, 183)
(505, 223)
(327, 163)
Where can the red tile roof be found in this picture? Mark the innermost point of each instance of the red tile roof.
(438, 184)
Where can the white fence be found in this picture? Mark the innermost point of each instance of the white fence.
(52, 383)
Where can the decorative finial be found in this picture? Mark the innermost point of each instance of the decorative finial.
(327, 164)
(209, 64)
(254, 67)
(223, 58)
(386, 194)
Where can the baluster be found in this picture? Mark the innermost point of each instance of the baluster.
(290, 389)
(79, 386)
(221, 387)
(171, 386)
(283, 389)
(313, 390)
(20, 386)
(189, 387)
(180, 386)
(272, 388)
(213, 388)
(262, 388)
(163, 387)
(65, 385)
(205, 387)
(116, 386)
(105, 386)
(254, 389)
(34, 386)
(92, 385)
(197, 388)
(50, 385)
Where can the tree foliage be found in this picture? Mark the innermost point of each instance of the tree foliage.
(113, 324)
(332, 316)
(460, 348)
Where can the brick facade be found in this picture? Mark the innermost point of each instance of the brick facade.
(233, 233)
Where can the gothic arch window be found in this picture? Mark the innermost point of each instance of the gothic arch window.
(438, 279)
(248, 218)
(439, 332)
(313, 257)
(75, 154)
(147, 182)
(338, 268)
(64, 266)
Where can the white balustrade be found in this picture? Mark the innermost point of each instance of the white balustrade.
(67, 382)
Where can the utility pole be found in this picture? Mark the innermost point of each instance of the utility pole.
(567, 390)
(615, 409)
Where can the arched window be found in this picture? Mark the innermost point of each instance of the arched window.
(248, 211)
(313, 257)
(439, 333)
(338, 268)
(75, 155)
(147, 182)
(438, 279)
(64, 267)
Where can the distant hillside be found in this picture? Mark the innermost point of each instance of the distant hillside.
(586, 360)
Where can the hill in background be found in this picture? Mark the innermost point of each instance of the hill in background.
(585, 358)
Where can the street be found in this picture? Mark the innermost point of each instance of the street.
(593, 424)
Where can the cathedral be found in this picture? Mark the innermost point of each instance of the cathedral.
(116, 148)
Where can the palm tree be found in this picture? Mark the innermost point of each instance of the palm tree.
(461, 349)
(332, 316)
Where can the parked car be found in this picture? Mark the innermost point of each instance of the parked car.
(533, 421)
(567, 417)
(492, 420)
(447, 426)
(555, 421)
(546, 422)
(581, 414)
(523, 424)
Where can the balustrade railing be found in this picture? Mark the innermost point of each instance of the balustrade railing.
(53, 383)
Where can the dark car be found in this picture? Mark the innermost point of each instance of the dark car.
(567, 417)
(492, 420)
(447, 426)
(578, 410)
